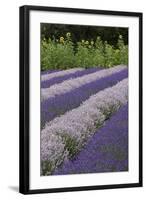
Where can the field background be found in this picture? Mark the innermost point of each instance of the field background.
(9, 106)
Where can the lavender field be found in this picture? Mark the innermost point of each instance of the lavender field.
(84, 120)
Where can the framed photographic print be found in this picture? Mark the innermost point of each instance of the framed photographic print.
(80, 99)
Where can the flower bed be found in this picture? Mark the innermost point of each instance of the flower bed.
(106, 151)
(71, 131)
(47, 83)
(57, 106)
(72, 84)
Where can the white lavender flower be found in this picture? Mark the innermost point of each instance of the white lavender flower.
(71, 84)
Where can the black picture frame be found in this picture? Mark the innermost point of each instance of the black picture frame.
(25, 104)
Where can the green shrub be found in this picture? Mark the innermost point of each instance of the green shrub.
(62, 53)
(57, 54)
(123, 49)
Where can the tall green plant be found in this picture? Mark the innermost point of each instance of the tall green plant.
(62, 53)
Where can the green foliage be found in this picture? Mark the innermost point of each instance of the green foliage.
(70, 144)
(79, 32)
(123, 51)
(62, 53)
(57, 54)
(46, 167)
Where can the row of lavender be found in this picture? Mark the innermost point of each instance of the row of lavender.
(77, 102)
(73, 97)
(71, 84)
(106, 151)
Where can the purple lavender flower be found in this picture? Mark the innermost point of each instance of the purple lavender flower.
(60, 73)
(71, 84)
(48, 83)
(49, 71)
(106, 151)
(70, 132)
(53, 107)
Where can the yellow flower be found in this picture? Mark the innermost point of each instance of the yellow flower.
(87, 42)
(62, 39)
(120, 36)
(68, 34)
(92, 42)
(109, 65)
(83, 41)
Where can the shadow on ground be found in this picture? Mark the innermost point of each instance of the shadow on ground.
(14, 188)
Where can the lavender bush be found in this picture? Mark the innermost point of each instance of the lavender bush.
(49, 71)
(106, 151)
(53, 107)
(72, 84)
(77, 125)
(60, 73)
(59, 79)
